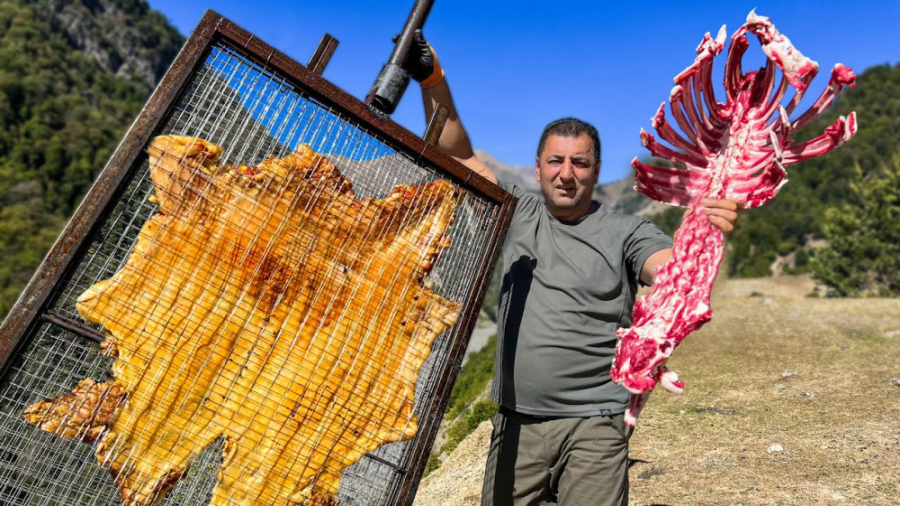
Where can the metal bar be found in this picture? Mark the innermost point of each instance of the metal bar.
(23, 317)
(436, 125)
(73, 326)
(399, 138)
(416, 457)
(393, 78)
(322, 54)
(415, 20)
(395, 467)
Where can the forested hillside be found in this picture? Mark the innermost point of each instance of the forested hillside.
(784, 224)
(788, 223)
(73, 75)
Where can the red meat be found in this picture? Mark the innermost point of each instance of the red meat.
(735, 150)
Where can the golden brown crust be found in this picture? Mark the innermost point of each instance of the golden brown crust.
(82, 414)
(269, 306)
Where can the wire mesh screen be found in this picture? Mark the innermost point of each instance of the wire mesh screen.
(276, 292)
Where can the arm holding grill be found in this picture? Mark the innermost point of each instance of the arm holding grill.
(454, 139)
(423, 66)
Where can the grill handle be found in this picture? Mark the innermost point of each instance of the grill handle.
(392, 81)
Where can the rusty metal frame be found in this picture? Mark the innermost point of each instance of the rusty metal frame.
(32, 308)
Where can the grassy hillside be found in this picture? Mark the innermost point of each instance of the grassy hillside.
(62, 112)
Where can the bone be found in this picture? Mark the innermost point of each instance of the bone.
(840, 76)
(731, 150)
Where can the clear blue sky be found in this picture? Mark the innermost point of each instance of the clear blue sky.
(514, 66)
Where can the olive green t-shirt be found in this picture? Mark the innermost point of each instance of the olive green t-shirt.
(566, 288)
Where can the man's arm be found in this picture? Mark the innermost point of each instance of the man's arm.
(722, 214)
(454, 139)
(423, 66)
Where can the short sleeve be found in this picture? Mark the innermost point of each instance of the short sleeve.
(529, 204)
(644, 241)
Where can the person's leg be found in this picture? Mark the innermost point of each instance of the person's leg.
(593, 466)
(517, 471)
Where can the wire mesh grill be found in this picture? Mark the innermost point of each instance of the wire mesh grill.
(253, 114)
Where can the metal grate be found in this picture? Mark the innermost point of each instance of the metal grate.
(249, 100)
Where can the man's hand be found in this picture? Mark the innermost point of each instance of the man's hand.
(420, 61)
(722, 213)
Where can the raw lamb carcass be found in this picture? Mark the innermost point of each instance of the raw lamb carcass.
(733, 150)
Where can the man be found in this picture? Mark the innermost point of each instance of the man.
(570, 273)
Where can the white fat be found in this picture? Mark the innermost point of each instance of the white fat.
(720, 38)
(776, 145)
(669, 380)
(630, 419)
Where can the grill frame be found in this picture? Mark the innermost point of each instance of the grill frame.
(33, 309)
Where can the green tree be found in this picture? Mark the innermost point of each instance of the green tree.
(797, 213)
(863, 253)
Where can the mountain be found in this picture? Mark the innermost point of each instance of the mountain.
(125, 37)
(519, 175)
(622, 197)
(73, 76)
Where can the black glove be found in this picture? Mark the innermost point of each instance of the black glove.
(420, 59)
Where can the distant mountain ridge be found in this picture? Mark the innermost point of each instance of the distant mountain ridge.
(126, 37)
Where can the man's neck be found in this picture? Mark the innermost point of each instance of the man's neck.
(574, 215)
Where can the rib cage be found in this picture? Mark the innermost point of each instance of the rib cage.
(735, 150)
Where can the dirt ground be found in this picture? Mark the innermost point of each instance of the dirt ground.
(790, 400)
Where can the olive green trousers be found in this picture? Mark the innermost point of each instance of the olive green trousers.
(570, 461)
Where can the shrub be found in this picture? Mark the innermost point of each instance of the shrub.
(863, 253)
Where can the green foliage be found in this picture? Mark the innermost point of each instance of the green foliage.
(669, 220)
(797, 213)
(433, 464)
(61, 116)
(863, 252)
(481, 411)
(472, 379)
(462, 409)
(492, 296)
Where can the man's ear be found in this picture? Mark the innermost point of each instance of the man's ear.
(537, 168)
(597, 171)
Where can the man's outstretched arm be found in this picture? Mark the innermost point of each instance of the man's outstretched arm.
(423, 66)
(722, 214)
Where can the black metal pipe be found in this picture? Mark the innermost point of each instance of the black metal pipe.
(393, 79)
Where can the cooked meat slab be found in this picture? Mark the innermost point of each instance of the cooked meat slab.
(269, 306)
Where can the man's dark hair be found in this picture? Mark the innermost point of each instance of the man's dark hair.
(571, 127)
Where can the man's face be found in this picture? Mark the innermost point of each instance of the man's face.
(567, 170)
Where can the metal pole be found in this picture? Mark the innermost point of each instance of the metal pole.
(392, 81)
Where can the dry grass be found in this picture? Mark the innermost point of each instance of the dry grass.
(811, 375)
(771, 368)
